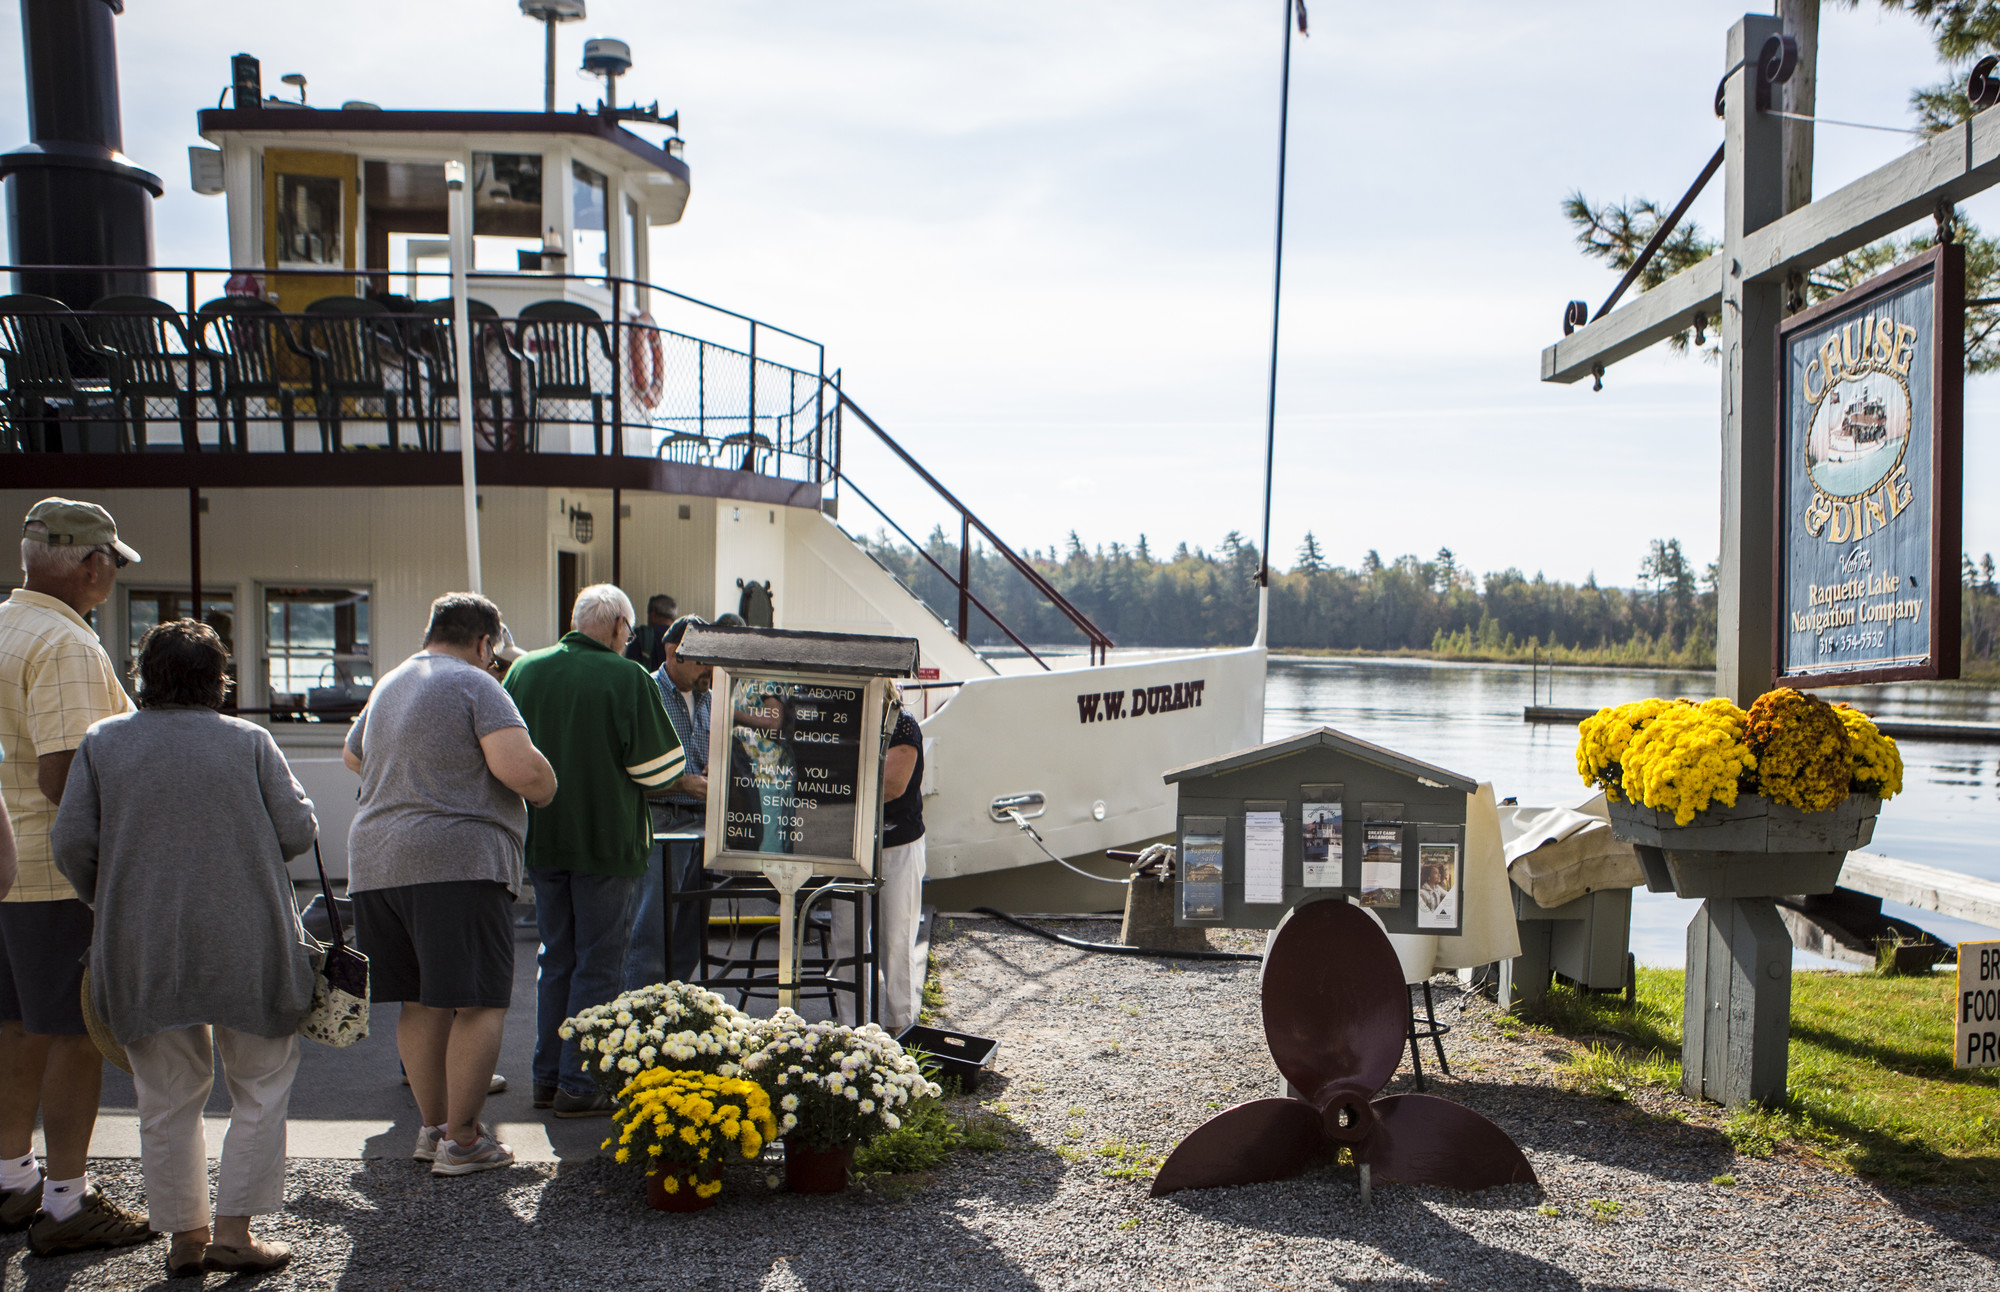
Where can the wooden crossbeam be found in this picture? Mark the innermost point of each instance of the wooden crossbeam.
(1950, 167)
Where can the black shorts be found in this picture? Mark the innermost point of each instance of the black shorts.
(42, 950)
(447, 946)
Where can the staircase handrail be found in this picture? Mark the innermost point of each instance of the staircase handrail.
(1100, 642)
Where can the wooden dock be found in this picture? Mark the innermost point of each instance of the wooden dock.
(1985, 733)
(1928, 888)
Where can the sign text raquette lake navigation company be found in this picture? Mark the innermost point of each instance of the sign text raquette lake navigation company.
(1868, 478)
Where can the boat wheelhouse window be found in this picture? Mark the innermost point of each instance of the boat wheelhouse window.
(588, 198)
(317, 656)
(405, 204)
(309, 220)
(506, 211)
(146, 609)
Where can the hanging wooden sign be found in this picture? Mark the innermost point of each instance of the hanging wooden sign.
(1869, 490)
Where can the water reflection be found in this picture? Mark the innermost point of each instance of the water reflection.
(1467, 717)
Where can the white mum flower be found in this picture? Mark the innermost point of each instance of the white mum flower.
(790, 1121)
(852, 1093)
(868, 1105)
(648, 1053)
(566, 1031)
(790, 1103)
(628, 1064)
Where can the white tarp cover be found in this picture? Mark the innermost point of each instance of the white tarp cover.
(1558, 854)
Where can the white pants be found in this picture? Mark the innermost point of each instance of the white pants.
(902, 978)
(173, 1073)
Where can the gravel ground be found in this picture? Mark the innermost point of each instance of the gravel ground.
(1104, 1063)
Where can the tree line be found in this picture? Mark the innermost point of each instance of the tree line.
(1197, 597)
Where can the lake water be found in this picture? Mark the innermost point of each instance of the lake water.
(1467, 717)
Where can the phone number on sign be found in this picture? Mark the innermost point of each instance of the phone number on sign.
(1834, 643)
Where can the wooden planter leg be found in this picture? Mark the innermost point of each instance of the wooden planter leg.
(1738, 1011)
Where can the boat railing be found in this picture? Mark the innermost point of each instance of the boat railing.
(560, 364)
(258, 362)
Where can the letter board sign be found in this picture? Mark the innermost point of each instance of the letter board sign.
(1870, 420)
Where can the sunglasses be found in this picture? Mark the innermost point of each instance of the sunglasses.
(117, 561)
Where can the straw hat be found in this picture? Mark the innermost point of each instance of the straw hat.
(107, 1044)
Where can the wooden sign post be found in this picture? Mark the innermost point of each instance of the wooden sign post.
(1739, 954)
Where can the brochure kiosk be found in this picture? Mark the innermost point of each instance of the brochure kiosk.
(1321, 815)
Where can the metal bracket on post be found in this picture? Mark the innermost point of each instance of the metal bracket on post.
(861, 957)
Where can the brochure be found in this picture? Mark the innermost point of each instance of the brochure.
(1264, 858)
(1437, 885)
(1322, 832)
(1382, 865)
(1201, 870)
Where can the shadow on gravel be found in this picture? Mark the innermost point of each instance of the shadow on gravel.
(1545, 1119)
(1325, 1203)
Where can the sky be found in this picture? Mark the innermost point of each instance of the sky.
(1036, 237)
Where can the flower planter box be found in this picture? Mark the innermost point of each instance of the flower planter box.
(1755, 849)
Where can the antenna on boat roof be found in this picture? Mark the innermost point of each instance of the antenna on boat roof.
(609, 58)
(549, 13)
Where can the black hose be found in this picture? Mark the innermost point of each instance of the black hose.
(1115, 948)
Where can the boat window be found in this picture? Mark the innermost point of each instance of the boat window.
(309, 220)
(588, 192)
(146, 609)
(506, 211)
(317, 656)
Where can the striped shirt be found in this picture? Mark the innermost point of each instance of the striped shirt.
(55, 680)
(597, 717)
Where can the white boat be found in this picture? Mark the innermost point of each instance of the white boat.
(281, 439)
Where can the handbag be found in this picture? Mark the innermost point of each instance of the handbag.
(339, 1013)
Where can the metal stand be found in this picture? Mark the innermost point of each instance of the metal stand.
(1737, 1015)
(1427, 1029)
(783, 975)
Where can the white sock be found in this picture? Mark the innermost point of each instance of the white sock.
(19, 1173)
(64, 1198)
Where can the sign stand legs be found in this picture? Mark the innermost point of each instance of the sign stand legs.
(1737, 1014)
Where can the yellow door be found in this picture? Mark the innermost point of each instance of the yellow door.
(311, 204)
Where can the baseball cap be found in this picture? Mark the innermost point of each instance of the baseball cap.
(76, 524)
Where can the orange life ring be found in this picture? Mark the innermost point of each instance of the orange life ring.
(644, 355)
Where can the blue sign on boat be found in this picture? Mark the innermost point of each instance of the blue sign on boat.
(1870, 400)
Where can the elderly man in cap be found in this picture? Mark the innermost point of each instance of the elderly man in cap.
(55, 680)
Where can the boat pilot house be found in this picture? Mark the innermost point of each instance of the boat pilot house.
(1322, 815)
(440, 357)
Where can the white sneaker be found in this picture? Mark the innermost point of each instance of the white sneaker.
(487, 1153)
(428, 1139)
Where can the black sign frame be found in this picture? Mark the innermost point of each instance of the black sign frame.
(1944, 266)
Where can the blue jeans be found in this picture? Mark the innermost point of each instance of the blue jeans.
(585, 922)
(646, 960)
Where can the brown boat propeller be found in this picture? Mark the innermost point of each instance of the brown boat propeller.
(1336, 1012)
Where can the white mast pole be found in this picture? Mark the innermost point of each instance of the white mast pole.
(461, 340)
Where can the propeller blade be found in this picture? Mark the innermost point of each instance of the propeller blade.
(1421, 1139)
(1265, 1139)
(1335, 1007)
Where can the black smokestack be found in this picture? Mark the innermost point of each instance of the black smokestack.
(73, 197)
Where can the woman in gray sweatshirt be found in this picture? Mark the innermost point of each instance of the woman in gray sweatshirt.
(175, 827)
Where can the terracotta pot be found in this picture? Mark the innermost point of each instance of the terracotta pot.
(684, 1198)
(812, 1170)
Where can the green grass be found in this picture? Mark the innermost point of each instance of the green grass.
(1870, 1083)
(932, 1008)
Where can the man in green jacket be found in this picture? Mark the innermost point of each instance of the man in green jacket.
(598, 719)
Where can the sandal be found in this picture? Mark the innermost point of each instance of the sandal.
(259, 1257)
